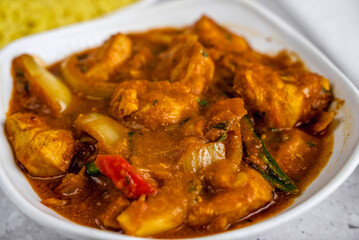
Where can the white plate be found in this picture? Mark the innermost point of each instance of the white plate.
(244, 17)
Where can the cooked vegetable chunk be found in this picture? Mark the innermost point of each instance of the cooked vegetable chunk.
(112, 136)
(231, 205)
(43, 151)
(283, 101)
(144, 104)
(198, 157)
(42, 83)
(90, 72)
(115, 208)
(124, 176)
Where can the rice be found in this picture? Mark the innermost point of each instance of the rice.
(23, 17)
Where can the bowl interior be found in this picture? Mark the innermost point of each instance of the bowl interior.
(262, 29)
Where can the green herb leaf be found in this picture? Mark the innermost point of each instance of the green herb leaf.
(229, 37)
(223, 137)
(82, 57)
(192, 186)
(92, 169)
(220, 126)
(311, 144)
(204, 53)
(202, 102)
(130, 133)
(325, 90)
(84, 68)
(274, 129)
(155, 102)
(184, 121)
(272, 173)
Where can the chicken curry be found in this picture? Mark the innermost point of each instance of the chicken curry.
(174, 132)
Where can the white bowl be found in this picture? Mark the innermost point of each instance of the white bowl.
(244, 17)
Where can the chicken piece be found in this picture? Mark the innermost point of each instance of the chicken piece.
(144, 104)
(224, 116)
(161, 37)
(104, 60)
(225, 174)
(137, 66)
(293, 154)
(226, 207)
(90, 72)
(73, 184)
(158, 213)
(43, 151)
(323, 121)
(113, 210)
(186, 61)
(282, 100)
(217, 39)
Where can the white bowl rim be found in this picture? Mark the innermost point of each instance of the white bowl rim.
(83, 231)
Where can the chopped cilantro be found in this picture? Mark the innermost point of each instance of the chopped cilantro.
(184, 121)
(92, 169)
(84, 68)
(229, 37)
(220, 126)
(130, 133)
(311, 144)
(192, 186)
(325, 90)
(155, 102)
(204, 53)
(201, 102)
(82, 57)
(223, 137)
(274, 129)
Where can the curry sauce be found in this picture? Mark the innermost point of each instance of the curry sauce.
(170, 133)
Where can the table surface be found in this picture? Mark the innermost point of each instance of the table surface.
(337, 217)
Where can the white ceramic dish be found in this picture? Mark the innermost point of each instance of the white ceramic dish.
(244, 17)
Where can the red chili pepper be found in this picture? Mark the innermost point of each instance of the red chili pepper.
(124, 176)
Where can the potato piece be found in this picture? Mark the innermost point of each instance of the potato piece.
(44, 84)
(112, 136)
(157, 214)
(91, 75)
(43, 151)
(112, 211)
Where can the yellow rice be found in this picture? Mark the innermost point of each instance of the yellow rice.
(23, 17)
